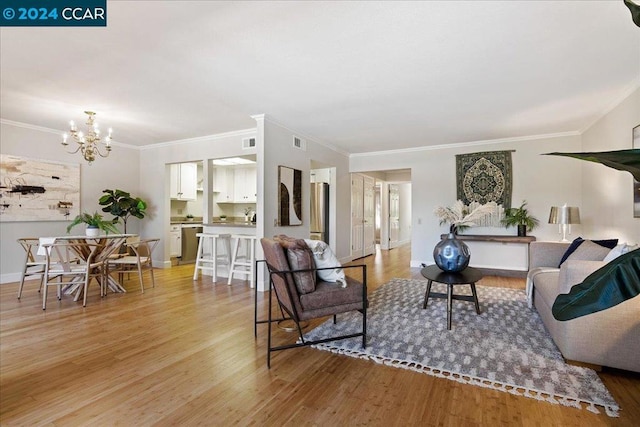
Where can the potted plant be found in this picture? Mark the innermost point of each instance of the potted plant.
(122, 205)
(189, 217)
(95, 224)
(223, 217)
(521, 218)
(247, 212)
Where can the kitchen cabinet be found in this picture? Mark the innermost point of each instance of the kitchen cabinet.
(175, 241)
(223, 184)
(245, 186)
(184, 181)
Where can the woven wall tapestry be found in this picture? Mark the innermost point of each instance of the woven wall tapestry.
(484, 177)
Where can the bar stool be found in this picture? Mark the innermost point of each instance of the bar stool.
(243, 264)
(208, 258)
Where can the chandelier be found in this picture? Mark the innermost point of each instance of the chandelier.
(89, 143)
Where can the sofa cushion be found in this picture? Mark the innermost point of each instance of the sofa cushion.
(608, 243)
(589, 251)
(612, 284)
(300, 258)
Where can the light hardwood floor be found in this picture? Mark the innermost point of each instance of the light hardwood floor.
(183, 353)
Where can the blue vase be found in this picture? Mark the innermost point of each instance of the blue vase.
(451, 255)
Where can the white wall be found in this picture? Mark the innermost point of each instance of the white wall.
(119, 170)
(154, 176)
(405, 212)
(607, 205)
(279, 151)
(543, 181)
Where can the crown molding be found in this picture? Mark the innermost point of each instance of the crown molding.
(467, 144)
(57, 132)
(244, 132)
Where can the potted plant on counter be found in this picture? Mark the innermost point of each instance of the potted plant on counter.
(95, 224)
(521, 218)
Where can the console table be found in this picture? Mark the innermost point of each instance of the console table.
(522, 240)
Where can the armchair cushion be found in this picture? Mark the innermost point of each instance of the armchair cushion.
(325, 258)
(300, 258)
(328, 294)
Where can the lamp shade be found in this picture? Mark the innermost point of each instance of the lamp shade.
(564, 215)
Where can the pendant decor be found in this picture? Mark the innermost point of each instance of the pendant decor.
(451, 254)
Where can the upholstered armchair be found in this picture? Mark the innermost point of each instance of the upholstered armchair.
(302, 295)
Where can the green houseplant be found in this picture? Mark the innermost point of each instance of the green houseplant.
(521, 218)
(122, 205)
(95, 223)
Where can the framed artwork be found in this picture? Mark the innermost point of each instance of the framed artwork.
(38, 190)
(289, 196)
(636, 184)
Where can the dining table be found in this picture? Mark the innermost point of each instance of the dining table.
(108, 246)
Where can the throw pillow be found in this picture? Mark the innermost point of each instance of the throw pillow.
(300, 258)
(324, 257)
(589, 251)
(614, 253)
(609, 243)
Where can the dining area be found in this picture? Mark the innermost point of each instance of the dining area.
(76, 264)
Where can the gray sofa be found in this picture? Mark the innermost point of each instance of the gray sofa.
(607, 338)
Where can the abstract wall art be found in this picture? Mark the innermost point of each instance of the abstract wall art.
(37, 190)
(289, 196)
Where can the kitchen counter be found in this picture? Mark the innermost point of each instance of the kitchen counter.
(246, 224)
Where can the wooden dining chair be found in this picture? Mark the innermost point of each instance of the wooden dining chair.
(70, 266)
(34, 264)
(139, 260)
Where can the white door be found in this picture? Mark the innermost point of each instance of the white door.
(394, 215)
(357, 216)
(369, 216)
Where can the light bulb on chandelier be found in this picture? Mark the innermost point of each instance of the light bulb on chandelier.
(88, 144)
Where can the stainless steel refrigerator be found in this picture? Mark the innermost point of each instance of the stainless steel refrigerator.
(320, 211)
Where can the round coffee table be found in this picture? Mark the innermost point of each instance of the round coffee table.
(468, 276)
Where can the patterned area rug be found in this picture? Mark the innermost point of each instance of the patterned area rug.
(505, 348)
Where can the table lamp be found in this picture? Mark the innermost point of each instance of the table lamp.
(564, 216)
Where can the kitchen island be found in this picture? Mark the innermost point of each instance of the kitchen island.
(233, 227)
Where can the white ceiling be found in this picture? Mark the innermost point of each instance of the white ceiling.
(361, 76)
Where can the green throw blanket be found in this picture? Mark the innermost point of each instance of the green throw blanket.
(606, 287)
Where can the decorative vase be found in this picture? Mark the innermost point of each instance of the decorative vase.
(451, 254)
(92, 231)
(522, 230)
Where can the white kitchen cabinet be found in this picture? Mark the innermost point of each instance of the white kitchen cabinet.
(175, 241)
(184, 181)
(245, 188)
(223, 184)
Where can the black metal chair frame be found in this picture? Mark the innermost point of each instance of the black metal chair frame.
(288, 315)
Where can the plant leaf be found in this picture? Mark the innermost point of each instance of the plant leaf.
(616, 282)
(622, 160)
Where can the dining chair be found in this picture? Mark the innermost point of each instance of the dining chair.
(140, 259)
(34, 264)
(71, 265)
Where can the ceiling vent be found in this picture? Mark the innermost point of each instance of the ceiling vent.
(248, 143)
(299, 143)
